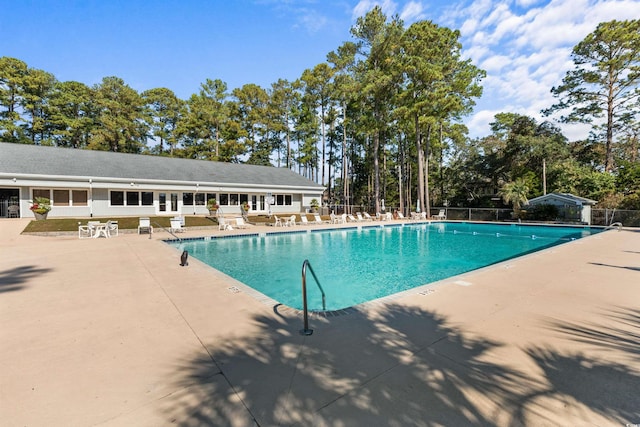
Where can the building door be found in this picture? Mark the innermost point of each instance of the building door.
(169, 205)
(9, 203)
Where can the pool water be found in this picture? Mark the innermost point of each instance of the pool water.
(362, 264)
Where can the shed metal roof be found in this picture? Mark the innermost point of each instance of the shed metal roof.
(566, 197)
(68, 162)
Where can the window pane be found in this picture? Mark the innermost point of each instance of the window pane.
(79, 197)
(212, 196)
(224, 199)
(287, 200)
(279, 199)
(199, 199)
(117, 198)
(133, 198)
(147, 198)
(244, 198)
(42, 193)
(187, 199)
(60, 197)
(233, 199)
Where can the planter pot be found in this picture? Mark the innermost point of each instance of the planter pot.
(40, 216)
(213, 212)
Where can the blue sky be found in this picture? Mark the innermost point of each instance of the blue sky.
(524, 45)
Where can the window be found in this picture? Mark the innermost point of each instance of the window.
(187, 199)
(212, 196)
(200, 199)
(147, 198)
(133, 198)
(233, 199)
(42, 193)
(244, 198)
(224, 199)
(117, 198)
(60, 197)
(283, 199)
(79, 198)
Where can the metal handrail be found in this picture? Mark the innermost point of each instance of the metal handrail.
(305, 264)
(167, 230)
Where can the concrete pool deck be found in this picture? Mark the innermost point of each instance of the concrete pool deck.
(114, 332)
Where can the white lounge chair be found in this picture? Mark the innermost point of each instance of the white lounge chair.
(304, 220)
(359, 217)
(291, 221)
(352, 218)
(144, 226)
(176, 225)
(441, 215)
(317, 219)
(84, 232)
(401, 215)
(367, 217)
(240, 222)
(223, 224)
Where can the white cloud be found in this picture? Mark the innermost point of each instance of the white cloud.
(388, 7)
(412, 11)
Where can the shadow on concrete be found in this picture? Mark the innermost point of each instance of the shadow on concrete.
(13, 279)
(405, 367)
(607, 387)
(616, 266)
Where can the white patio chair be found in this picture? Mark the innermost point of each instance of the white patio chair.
(304, 220)
(144, 226)
(441, 215)
(291, 222)
(240, 222)
(112, 228)
(176, 225)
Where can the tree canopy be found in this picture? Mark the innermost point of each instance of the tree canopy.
(380, 119)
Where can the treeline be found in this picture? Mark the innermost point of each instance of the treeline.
(380, 119)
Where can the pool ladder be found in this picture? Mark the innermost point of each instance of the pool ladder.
(305, 265)
(615, 224)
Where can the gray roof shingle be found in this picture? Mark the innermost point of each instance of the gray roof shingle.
(54, 161)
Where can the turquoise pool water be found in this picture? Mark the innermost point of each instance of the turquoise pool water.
(359, 265)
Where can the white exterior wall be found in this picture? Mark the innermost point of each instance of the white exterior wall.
(99, 193)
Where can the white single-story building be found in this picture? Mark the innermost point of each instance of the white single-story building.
(570, 207)
(87, 183)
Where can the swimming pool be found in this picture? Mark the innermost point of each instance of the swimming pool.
(361, 264)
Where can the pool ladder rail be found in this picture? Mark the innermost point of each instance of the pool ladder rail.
(306, 265)
(615, 224)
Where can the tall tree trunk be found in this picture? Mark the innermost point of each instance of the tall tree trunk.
(427, 202)
(376, 169)
(420, 164)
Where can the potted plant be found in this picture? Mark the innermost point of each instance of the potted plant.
(314, 205)
(245, 206)
(40, 207)
(212, 205)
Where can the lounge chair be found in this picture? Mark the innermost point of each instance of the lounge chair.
(359, 217)
(441, 215)
(343, 218)
(277, 222)
(304, 220)
(240, 222)
(367, 217)
(352, 218)
(144, 226)
(317, 219)
(291, 221)
(401, 215)
(223, 224)
(176, 225)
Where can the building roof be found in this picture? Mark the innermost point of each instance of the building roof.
(565, 197)
(22, 159)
